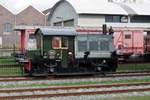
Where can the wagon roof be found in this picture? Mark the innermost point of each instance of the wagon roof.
(57, 31)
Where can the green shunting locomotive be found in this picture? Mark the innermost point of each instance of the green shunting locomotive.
(67, 51)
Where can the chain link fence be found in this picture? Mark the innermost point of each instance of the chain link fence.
(11, 70)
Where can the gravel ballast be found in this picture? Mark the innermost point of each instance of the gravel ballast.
(70, 81)
(96, 97)
(72, 90)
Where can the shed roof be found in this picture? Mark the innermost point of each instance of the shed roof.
(95, 7)
(139, 8)
(105, 7)
(57, 31)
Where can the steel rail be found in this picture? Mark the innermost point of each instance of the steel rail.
(72, 87)
(108, 75)
(73, 94)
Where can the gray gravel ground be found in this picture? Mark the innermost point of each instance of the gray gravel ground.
(70, 81)
(96, 97)
(73, 90)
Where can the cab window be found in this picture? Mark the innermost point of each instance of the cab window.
(93, 45)
(56, 41)
(64, 42)
(60, 43)
(104, 45)
(82, 46)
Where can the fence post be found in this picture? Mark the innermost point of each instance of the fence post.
(22, 69)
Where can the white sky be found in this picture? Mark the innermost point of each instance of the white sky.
(16, 6)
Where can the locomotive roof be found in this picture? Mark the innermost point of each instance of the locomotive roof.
(57, 31)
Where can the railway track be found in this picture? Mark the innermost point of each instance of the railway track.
(130, 74)
(108, 75)
(73, 91)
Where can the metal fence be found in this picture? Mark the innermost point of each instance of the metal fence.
(11, 70)
(7, 52)
(134, 67)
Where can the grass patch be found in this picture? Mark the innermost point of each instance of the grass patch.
(10, 60)
(133, 67)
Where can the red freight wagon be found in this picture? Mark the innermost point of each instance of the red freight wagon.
(129, 42)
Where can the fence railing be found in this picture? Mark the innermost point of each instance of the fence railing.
(8, 52)
(11, 70)
(134, 67)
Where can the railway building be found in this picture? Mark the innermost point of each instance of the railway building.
(9, 18)
(94, 14)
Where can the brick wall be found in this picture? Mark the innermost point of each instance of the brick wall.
(30, 16)
(6, 17)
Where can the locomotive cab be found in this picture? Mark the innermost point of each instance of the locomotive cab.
(56, 49)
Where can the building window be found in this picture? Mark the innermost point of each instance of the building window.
(7, 27)
(69, 23)
(140, 19)
(31, 45)
(124, 19)
(57, 24)
(116, 18)
(36, 24)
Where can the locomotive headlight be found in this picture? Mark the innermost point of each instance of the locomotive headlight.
(51, 69)
(70, 53)
(104, 61)
(99, 68)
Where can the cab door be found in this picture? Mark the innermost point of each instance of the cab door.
(63, 45)
(64, 51)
